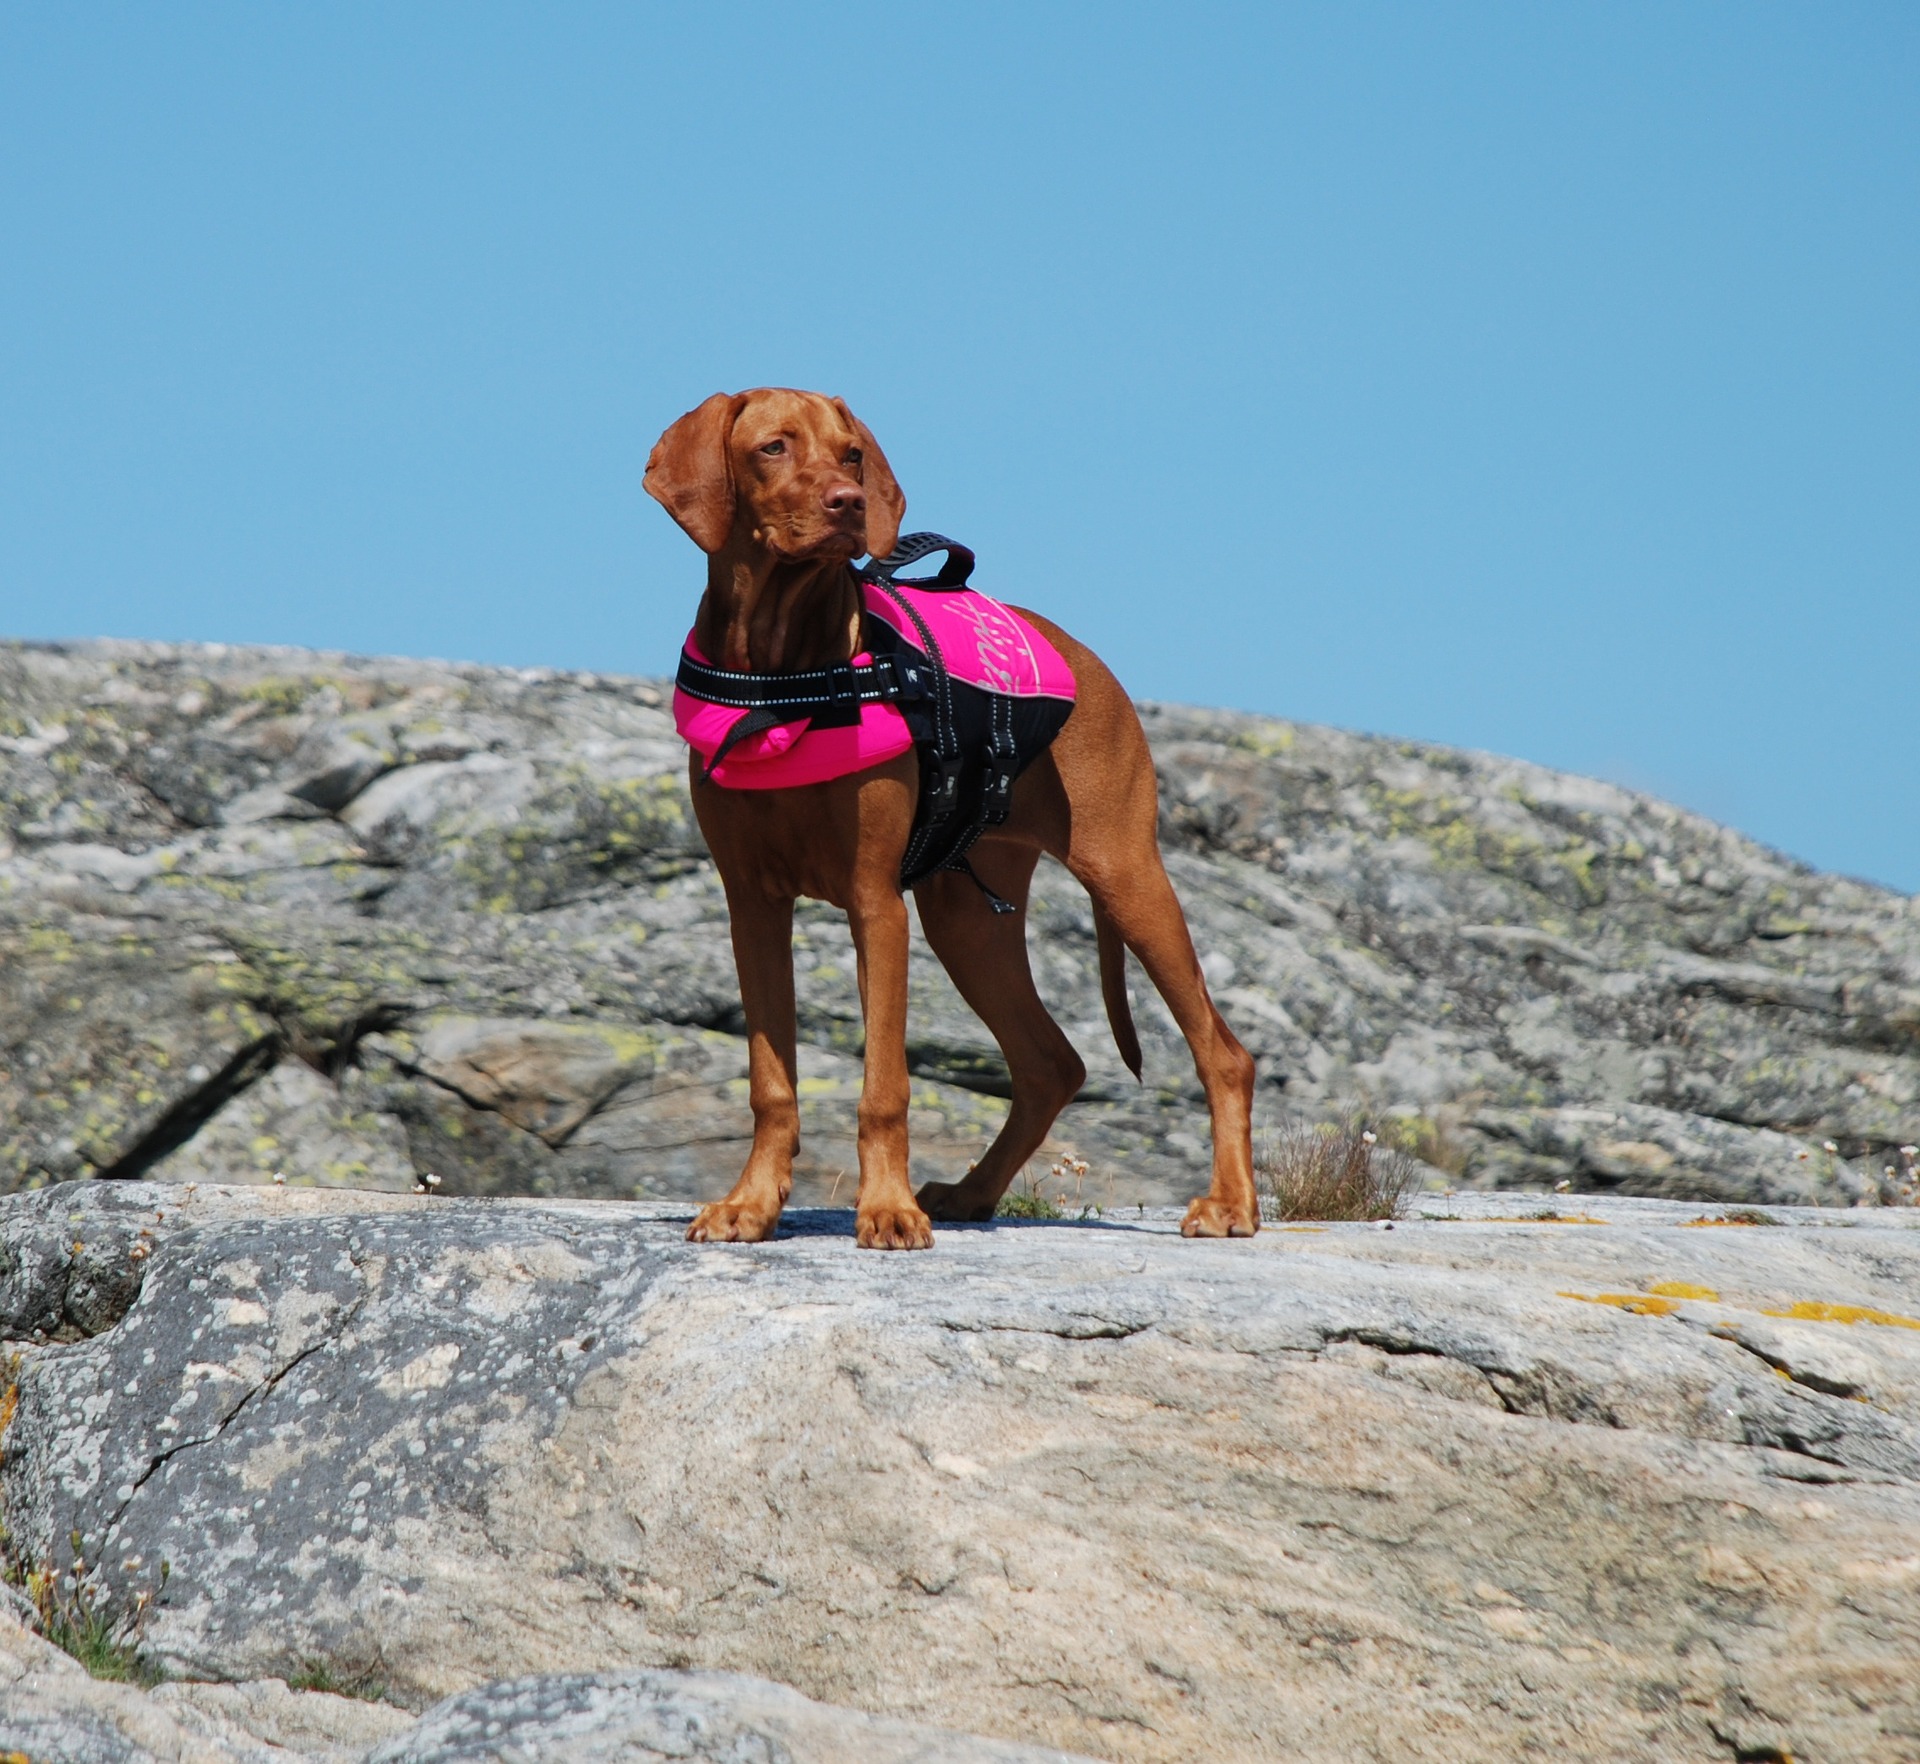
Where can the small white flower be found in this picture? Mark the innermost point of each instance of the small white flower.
(433, 1181)
(280, 1178)
(1830, 1147)
(1369, 1139)
(1802, 1156)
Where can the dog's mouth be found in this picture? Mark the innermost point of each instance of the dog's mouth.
(836, 536)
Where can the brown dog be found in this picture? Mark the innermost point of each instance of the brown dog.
(782, 490)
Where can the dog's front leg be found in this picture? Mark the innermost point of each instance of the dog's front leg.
(888, 1217)
(763, 954)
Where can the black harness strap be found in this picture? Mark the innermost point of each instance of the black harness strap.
(940, 789)
(942, 796)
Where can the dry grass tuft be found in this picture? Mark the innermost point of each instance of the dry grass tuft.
(1336, 1170)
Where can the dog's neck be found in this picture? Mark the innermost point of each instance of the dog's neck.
(763, 614)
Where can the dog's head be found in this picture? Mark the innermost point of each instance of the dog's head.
(797, 475)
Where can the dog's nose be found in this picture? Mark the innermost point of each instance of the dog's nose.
(845, 499)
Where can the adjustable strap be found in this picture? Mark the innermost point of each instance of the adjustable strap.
(964, 865)
(827, 698)
(886, 679)
(755, 722)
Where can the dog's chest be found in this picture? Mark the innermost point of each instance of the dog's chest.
(811, 841)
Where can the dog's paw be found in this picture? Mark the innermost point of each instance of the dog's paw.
(893, 1228)
(1208, 1217)
(727, 1222)
(950, 1201)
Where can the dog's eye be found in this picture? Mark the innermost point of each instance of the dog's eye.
(854, 456)
(774, 447)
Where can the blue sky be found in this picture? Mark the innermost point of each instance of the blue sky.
(1541, 379)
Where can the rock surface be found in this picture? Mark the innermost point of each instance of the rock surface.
(270, 910)
(51, 1712)
(636, 1717)
(1633, 1483)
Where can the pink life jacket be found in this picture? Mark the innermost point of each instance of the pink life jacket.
(969, 681)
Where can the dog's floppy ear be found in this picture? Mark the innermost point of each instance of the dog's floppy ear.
(690, 470)
(886, 501)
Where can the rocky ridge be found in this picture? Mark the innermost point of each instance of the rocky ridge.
(361, 920)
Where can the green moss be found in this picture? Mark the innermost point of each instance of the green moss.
(1026, 1204)
(319, 1675)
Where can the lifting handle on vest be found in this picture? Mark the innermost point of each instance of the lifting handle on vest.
(914, 546)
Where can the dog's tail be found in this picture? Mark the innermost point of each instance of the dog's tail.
(1113, 988)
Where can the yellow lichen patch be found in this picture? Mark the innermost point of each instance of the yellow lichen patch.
(1636, 1302)
(1267, 740)
(1541, 1219)
(1681, 1289)
(1812, 1311)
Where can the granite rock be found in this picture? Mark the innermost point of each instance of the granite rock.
(51, 1712)
(1614, 1479)
(639, 1717)
(247, 896)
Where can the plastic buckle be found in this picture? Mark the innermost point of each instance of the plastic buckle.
(944, 795)
(996, 801)
(905, 680)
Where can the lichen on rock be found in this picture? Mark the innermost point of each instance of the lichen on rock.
(226, 871)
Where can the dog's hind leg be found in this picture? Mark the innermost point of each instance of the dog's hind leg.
(763, 954)
(986, 954)
(1091, 801)
(1132, 889)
